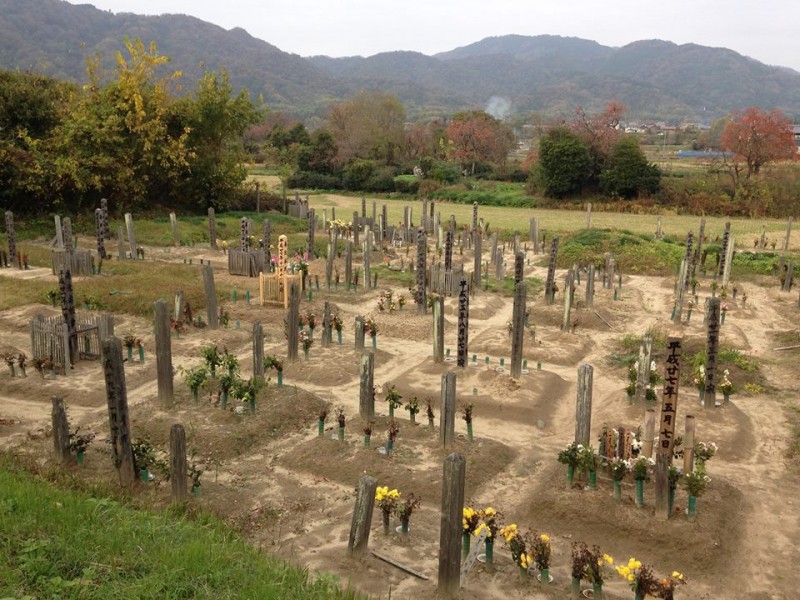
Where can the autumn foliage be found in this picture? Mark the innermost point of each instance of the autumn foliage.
(757, 137)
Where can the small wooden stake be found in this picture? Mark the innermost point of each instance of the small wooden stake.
(177, 461)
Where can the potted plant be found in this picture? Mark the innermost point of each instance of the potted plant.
(247, 392)
(633, 376)
(323, 414)
(517, 544)
(386, 500)
(340, 419)
(338, 325)
(696, 482)
(641, 473)
(470, 521)
(619, 469)
(404, 512)
(212, 357)
(9, 359)
(412, 406)
(306, 341)
(79, 442)
(588, 462)
(144, 457)
(570, 456)
(195, 473)
(129, 341)
(22, 361)
(665, 588)
(541, 552)
(726, 386)
(489, 521)
(371, 329)
(595, 571)
(195, 379)
(394, 399)
(391, 437)
(272, 362)
(311, 320)
(53, 296)
(466, 414)
(367, 433)
(227, 382)
(703, 452)
(640, 578)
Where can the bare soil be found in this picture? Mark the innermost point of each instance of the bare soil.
(292, 492)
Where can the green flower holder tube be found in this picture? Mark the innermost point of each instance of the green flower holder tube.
(366, 441)
(341, 434)
(692, 510)
(280, 379)
(320, 427)
(639, 493)
(592, 480)
(465, 541)
(570, 476)
(618, 490)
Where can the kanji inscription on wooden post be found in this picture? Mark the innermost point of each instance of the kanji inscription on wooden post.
(669, 401)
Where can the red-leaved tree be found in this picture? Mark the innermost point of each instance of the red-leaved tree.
(756, 138)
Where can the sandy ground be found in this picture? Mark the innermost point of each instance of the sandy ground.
(292, 493)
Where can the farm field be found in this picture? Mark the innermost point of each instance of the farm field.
(291, 492)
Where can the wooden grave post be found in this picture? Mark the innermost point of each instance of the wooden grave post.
(583, 405)
(59, 233)
(476, 266)
(422, 259)
(447, 409)
(327, 329)
(590, 276)
(474, 217)
(366, 390)
(329, 262)
(450, 528)
(362, 516)
(312, 226)
(698, 255)
(566, 321)
(69, 243)
(518, 327)
(356, 228)
(448, 250)
(499, 266)
(666, 429)
(131, 236)
(60, 429)
(177, 463)
(787, 282)
(163, 354)
(438, 329)
(648, 437)
(549, 289)
(788, 234)
(348, 264)
(266, 238)
(117, 397)
(723, 252)
(68, 312)
(211, 297)
(463, 322)
(367, 256)
(493, 254)
(726, 269)
(293, 322)
(258, 350)
(588, 215)
(123, 254)
(712, 346)
(359, 325)
(98, 230)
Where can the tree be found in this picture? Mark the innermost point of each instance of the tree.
(371, 126)
(757, 138)
(476, 136)
(627, 173)
(564, 163)
(599, 132)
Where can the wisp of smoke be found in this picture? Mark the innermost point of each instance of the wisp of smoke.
(498, 107)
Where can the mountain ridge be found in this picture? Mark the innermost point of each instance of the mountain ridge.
(548, 74)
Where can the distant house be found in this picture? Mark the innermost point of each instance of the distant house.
(796, 132)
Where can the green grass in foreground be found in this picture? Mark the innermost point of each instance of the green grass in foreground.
(64, 544)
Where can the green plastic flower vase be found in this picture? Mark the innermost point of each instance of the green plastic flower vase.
(592, 480)
(570, 476)
(341, 434)
(692, 510)
(196, 491)
(597, 588)
(366, 441)
(640, 493)
(80, 457)
(618, 490)
(465, 541)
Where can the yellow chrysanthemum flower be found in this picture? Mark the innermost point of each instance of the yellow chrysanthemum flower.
(544, 537)
(676, 575)
(489, 511)
(631, 577)
(608, 559)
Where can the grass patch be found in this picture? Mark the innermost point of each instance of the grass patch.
(487, 193)
(633, 253)
(65, 544)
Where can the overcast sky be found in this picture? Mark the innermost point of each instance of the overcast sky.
(766, 30)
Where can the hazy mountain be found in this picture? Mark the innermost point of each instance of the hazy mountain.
(549, 74)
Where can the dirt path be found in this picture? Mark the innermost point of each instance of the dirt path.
(292, 492)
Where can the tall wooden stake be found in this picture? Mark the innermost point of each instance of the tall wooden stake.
(450, 526)
(177, 462)
(117, 396)
(362, 516)
(583, 405)
(163, 354)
